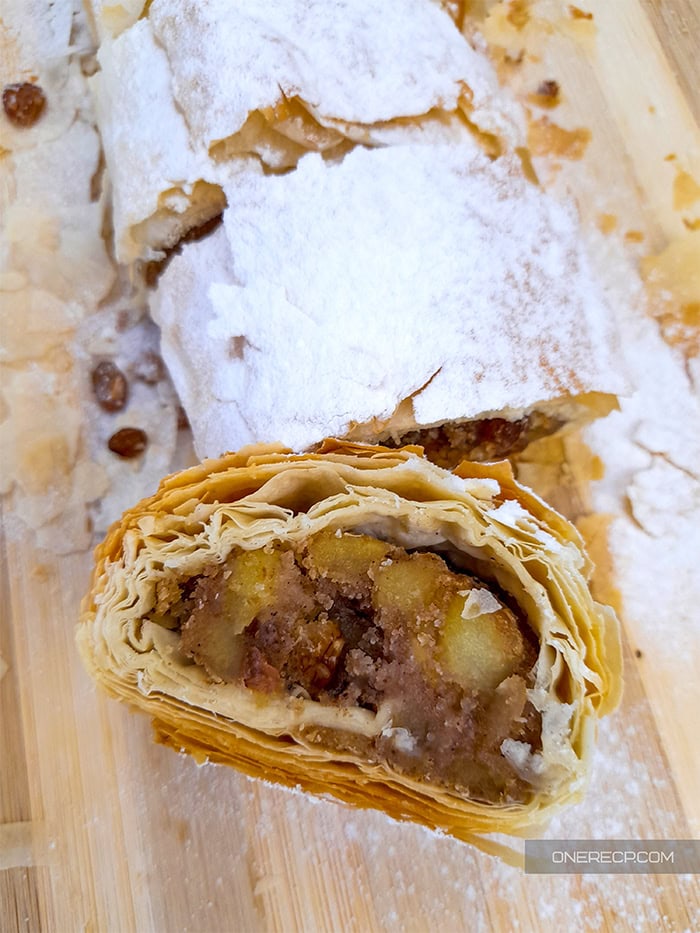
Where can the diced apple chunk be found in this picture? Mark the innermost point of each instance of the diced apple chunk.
(208, 639)
(251, 587)
(228, 603)
(411, 586)
(483, 650)
(345, 559)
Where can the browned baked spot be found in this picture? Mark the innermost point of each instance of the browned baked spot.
(576, 13)
(606, 223)
(686, 191)
(547, 139)
(546, 95)
(680, 326)
(518, 14)
(348, 620)
(153, 269)
(672, 286)
(23, 104)
(485, 439)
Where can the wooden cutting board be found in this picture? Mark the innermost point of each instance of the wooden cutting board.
(100, 829)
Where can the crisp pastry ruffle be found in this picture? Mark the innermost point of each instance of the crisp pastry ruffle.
(477, 516)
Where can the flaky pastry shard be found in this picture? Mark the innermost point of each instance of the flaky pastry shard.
(361, 623)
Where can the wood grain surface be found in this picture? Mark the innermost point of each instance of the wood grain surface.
(102, 830)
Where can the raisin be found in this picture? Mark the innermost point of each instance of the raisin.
(501, 437)
(128, 442)
(110, 386)
(23, 103)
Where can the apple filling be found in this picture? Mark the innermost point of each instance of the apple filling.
(482, 439)
(348, 620)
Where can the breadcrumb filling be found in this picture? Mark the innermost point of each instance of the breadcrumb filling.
(349, 620)
(481, 439)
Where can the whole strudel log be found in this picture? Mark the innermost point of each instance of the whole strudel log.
(362, 623)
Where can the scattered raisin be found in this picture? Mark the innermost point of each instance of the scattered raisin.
(23, 103)
(110, 386)
(128, 442)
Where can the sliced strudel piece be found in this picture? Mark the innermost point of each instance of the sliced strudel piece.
(412, 294)
(362, 623)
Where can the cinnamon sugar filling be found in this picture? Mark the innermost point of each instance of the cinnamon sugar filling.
(348, 620)
(481, 439)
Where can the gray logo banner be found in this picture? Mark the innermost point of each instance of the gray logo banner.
(612, 856)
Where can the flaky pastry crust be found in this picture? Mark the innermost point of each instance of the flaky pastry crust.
(477, 514)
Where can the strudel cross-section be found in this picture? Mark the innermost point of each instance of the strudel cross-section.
(362, 623)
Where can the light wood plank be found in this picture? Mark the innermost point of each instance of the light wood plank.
(650, 110)
(677, 26)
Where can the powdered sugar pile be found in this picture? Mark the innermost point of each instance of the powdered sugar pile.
(53, 266)
(651, 449)
(359, 62)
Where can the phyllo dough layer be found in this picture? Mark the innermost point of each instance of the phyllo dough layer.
(362, 623)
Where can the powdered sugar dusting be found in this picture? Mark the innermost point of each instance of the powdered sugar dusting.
(63, 305)
(222, 79)
(446, 884)
(135, 81)
(381, 297)
(655, 538)
(329, 54)
(203, 841)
